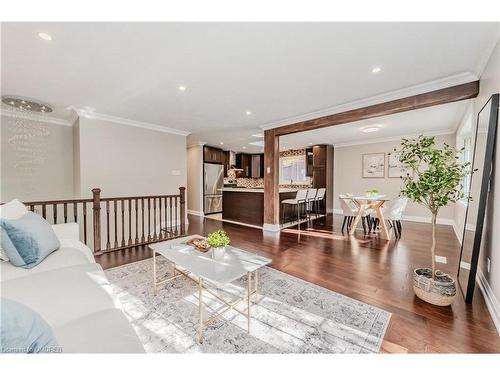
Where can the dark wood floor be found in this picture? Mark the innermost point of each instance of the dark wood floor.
(370, 270)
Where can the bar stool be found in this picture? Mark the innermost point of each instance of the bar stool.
(320, 198)
(297, 203)
(310, 198)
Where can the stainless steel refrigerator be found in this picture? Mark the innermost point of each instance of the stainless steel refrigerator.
(213, 182)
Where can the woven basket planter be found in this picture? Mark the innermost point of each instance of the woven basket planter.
(441, 291)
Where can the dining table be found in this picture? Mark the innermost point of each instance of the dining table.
(374, 202)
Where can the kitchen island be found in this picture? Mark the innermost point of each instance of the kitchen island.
(246, 205)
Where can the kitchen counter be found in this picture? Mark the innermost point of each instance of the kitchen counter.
(245, 205)
(257, 190)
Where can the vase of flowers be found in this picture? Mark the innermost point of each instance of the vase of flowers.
(372, 193)
(436, 182)
(218, 240)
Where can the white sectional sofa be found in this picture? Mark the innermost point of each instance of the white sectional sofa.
(71, 292)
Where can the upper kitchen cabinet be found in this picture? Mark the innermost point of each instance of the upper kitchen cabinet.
(226, 161)
(244, 162)
(309, 162)
(258, 166)
(319, 156)
(213, 155)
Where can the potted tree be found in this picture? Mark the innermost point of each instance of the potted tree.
(436, 181)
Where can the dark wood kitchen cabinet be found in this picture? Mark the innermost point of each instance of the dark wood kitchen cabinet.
(213, 155)
(226, 161)
(319, 166)
(244, 161)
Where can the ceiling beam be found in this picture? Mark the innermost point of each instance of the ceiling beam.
(436, 97)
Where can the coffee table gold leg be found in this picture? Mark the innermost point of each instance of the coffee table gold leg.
(154, 272)
(200, 310)
(249, 297)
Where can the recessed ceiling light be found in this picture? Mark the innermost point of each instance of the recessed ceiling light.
(44, 36)
(376, 69)
(182, 88)
(222, 143)
(244, 147)
(371, 129)
(248, 113)
(310, 143)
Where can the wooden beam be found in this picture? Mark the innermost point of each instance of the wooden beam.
(271, 181)
(436, 97)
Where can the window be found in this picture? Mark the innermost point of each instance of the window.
(467, 157)
(293, 170)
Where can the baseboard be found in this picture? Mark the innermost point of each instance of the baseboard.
(416, 219)
(271, 227)
(195, 213)
(490, 299)
(425, 219)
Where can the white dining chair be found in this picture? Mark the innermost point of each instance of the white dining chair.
(297, 203)
(350, 211)
(394, 214)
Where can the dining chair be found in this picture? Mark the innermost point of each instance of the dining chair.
(297, 203)
(394, 213)
(350, 211)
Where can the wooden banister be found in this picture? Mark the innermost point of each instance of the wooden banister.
(168, 211)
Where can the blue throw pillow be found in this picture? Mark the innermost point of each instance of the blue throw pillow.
(29, 240)
(24, 331)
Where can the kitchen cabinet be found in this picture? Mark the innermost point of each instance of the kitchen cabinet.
(244, 161)
(309, 162)
(258, 166)
(226, 161)
(213, 155)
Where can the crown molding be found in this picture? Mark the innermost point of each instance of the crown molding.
(15, 113)
(197, 144)
(422, 88)
(394, 138)
(124, 121)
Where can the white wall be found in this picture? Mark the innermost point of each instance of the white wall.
(37, 159)
(490, 84)
(348, 176)
(195, 179)
(125, 160)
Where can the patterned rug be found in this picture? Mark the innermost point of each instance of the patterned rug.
(291, 316)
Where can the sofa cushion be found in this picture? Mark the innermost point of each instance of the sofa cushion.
(31, 237)
(106, 331)
(11, 210)
(64, 294)
(24, 331)
(71, 253)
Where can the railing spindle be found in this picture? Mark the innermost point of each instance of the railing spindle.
(123, 222)
(130, 221)
(149, 219)
(142, 210)
(176, 221)
(154, 218)
(170, 202)
(116, 230)
(85, 222)
(108, 244)
(136, 221)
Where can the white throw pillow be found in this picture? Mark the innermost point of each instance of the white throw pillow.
(11, 211)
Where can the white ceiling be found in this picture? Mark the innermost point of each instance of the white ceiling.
(432, 120)
(276, 70)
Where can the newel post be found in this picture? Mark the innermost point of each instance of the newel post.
(182, 192)
(96, 208)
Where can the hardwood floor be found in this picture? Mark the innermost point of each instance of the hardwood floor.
(370, 270)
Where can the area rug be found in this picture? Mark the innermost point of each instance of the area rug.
(291, 316)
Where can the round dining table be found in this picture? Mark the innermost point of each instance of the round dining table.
(374, 202)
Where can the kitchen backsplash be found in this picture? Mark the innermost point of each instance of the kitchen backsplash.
(255, 183)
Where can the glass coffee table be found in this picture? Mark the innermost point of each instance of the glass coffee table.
(210, 273)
